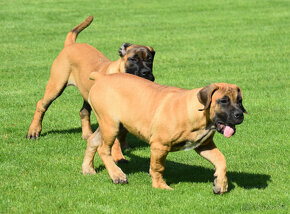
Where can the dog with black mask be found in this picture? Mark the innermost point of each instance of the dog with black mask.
(73, 66)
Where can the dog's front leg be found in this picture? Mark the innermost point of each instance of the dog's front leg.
(157, 166)
(212, 154)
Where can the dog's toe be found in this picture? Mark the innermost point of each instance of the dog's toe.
(121, 178)
(216, 190)
(120, 181)
(88, 171)
(219, 190)
(220, 187)
(31, 137)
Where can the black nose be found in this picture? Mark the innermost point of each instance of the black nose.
(238, 114)
(145, 72)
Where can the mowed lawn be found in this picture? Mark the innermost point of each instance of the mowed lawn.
(197, 43)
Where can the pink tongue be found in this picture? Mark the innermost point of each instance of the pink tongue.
(228, 131)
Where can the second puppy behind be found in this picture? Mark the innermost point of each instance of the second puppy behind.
(73, 66)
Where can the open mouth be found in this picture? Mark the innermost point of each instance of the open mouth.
(226, 130)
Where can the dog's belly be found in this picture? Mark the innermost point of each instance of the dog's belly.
(192, 144)
(137, 132)
(80, 81)
(71, 81)
(185, 146)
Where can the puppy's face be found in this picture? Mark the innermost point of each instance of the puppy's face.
(138, 60)
(224, 102)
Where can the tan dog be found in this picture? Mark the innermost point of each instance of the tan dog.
(73, 66)
(169, 118)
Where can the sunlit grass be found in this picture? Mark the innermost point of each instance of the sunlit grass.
(197, 43)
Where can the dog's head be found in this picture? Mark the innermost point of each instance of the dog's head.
(224, 104)
(138, 60)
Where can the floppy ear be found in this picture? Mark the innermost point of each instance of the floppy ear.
(122, 50)
(205, 94)
(243, 109)
(241, 105)
(152, 51)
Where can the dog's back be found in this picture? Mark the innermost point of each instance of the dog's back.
(136, 100)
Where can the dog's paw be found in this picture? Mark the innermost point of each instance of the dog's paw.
(34, 131)
(160, 184)
(120, 179)
(220, 186)
(33, 135)
(88, 171)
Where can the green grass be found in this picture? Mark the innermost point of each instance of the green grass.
(197, 43)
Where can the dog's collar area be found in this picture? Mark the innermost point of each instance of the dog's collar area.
(211, 126)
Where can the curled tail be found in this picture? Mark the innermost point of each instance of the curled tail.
(73, 34)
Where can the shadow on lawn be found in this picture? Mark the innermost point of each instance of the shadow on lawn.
(178, 172)
(131, 139)
(63, 131)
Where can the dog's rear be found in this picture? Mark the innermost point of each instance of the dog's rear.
(73, 34)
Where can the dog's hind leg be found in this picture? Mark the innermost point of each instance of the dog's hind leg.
(93, 143)
(119, 143)
(56, 84)
(85, 114)
(109, 132)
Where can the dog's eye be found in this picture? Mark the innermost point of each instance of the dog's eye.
(132, 59)
(224, 100)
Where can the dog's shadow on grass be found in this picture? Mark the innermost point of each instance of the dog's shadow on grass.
(132, 140)
(63, 131)
(178, 172)
(69, 131)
